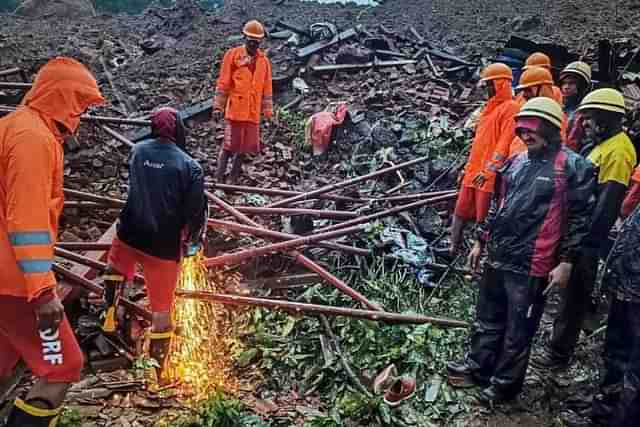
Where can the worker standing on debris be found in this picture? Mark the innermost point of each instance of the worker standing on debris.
(33, 326)
(165, 208)
(534, 82)
(243, 94)
(618, 403)
(538, 219)
(495, 129)
(539, 59)
(613, 154)
(575, 83)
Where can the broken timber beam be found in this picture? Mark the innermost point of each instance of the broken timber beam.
(350, 67)
(83, 246)
(380, 316)
(292, 27)
(324, 44)
(237, 257)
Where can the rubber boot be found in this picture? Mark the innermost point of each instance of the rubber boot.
(221, 168)
(236, 168)
(159, 351)
(25, 415)
(113, 282)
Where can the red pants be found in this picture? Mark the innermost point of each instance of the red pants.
(55, 356)
(161, 275)
(473, 204)
(242, 137)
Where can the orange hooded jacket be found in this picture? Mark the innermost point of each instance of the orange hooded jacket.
(241, 93)
(496, 128)
(31, 173)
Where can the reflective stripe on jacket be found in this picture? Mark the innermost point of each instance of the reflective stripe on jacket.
(244, 95)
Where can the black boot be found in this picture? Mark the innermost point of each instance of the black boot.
(221, 168)
(493, 395)
(25, 415)
(460, 375)
(159, 347)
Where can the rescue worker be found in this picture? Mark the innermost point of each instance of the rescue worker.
(618, 403)
(495, 129)
(614, 157)
(575, 83)
(243, 94)
(539, 59)
(165, 207)
(539, 216)
(534, 82)
(33, 326)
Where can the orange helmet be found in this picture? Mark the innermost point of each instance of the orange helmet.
(253, 29)
(537, 59)
(535, 76)
(496, 71)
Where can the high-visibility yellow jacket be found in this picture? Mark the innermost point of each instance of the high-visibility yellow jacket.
(31, 173)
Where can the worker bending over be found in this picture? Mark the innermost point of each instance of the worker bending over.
(165, 207)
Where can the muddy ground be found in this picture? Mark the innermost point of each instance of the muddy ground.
(183, 72)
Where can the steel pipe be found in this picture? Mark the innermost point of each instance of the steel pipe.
(380, 316)
(277, 192)
(93, 198)
(240, 256)
(90, 286)
(117, 135)
(277, 235)
(326, 214)
(389, 212)
(300, 258)
(15, 85)
(80, 259)
(346, 183)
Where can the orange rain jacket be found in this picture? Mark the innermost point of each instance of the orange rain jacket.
(31, 174)
(241, 93)
(494, 133)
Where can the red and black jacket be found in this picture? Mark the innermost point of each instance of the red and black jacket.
(540, 212)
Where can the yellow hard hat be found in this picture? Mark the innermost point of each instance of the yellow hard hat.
(537, 59)
(253, 29)
(535, 76)
(543, 108)
(496, 71)
(578, 68)
(603, 99)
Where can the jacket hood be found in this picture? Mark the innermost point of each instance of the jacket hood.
(62, 91)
